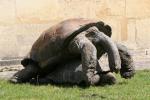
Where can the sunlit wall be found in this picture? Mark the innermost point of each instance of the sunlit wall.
(22, 21)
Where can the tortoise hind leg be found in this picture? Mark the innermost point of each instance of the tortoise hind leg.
(25, 74)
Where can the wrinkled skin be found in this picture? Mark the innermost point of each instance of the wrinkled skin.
(72, 72)
(76, 44)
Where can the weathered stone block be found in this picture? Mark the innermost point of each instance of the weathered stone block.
(116, 7)
(7, 12)
(37, 11)
(137, 8)
(143, 33)
(16, 40)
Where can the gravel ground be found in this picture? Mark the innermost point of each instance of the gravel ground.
(141, 60)
(7, 71)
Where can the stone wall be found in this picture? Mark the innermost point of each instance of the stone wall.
(22, 21)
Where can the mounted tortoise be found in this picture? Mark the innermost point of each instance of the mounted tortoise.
(69, 52)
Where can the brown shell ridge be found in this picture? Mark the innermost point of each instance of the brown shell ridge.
(81, 29)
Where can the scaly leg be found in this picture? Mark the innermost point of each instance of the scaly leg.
(81, 45)
(127, 65)
(25, 74)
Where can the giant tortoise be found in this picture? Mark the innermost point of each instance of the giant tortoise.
(69, 52)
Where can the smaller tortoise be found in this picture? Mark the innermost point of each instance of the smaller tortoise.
(73, 40)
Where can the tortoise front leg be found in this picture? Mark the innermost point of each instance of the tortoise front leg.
(81, 45)
(100, 40)
(127, 65)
